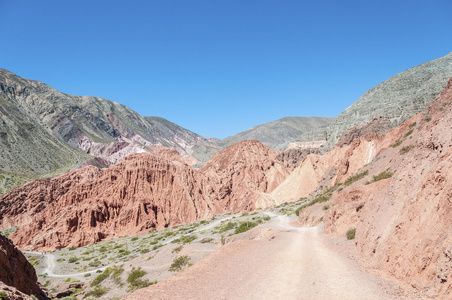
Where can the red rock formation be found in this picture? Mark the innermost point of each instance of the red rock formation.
(139, 193)
(17, 272)
(244, 172)
(404, 224)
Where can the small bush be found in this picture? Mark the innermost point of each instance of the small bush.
(97, 292)
(326, 206)
(135, 279)
(144, 250)
(101, 277)
(405, 149)
(351, 234)
(95, 263)
(383, 175)
(179, 263)
(177, 250)
(103, 249)
(397, 144)
(72, 248)
(72, 259)
(428, 119)
(355, 178)
(87, 275)
(116, 273)
(3, 295)
(245, 226)
(412, 124)
(408, 133)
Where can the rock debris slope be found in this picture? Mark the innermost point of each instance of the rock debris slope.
(140, 193)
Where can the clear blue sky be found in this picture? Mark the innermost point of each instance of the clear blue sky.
(221, 67)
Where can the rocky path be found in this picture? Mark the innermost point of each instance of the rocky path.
(286, 262)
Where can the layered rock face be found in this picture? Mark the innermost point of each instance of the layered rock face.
(17, 272)
(404, 223)
(141, 192)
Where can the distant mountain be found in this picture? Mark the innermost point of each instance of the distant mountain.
(397, 99)
(45, 132)
(279, 133)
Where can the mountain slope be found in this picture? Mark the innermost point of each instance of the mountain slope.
(279, 133)
(397, 99)
(45, 131)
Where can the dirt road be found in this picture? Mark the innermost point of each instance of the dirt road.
(286, 262)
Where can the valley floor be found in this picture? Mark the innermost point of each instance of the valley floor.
(281, 262)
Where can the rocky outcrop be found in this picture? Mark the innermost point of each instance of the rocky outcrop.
(138, 194)
(403, 223)
(17, 272)
(244, 173)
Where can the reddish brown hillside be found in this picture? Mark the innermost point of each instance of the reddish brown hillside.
(138, 194)
(244, 172)
(404, 223)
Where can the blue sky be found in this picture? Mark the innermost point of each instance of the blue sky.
(221, 67)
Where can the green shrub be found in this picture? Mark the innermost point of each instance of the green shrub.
(87, 275)
(408, 133)
(405, 149)
(179, 263)
(185, 239)
(103, 249)
(351, 234)
(101, 277)
(95, 263)
(134, 238)
(97, 292)
(428, 119)
(116, 273)
(383, 175)
(245, 226)
(3, 295)
(397, 144)
(228, 226)
(135, 279)
(177, 250)
(144, 250)
(72, 248)
(355, 178)
(412, 124)
(72, 259)
(326, 206)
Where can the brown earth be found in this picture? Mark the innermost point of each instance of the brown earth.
(140, 193)
(404, 224)
(275, 261)
(17, 272)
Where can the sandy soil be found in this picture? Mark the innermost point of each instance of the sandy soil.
(284, 262)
